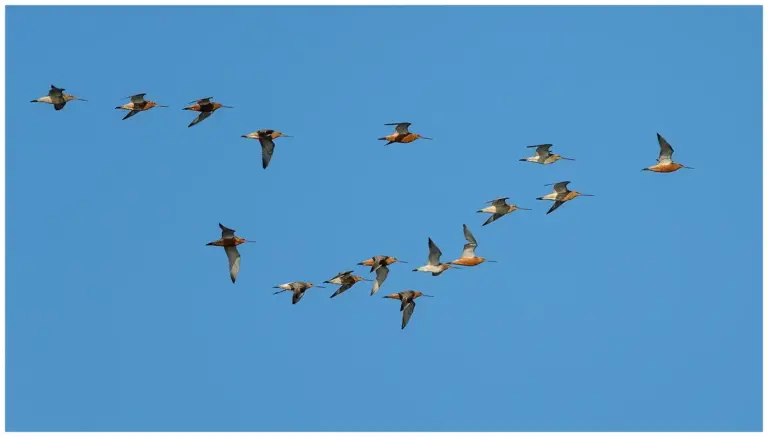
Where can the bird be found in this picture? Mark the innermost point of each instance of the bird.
(468, 257)
(544, 156)
(664, 162)
(298, 289)
(266, 137)
(138, 104)
(379, 264)
(346, 280)
(230, 242)
(205, 107)
(401, 135)
(57, 98)
(499, 208)
(407, 303)
(561, 194)
(434, 265)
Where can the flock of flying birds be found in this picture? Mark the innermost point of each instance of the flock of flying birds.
(379, 263)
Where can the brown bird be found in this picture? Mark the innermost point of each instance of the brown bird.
(57, 98)
(407, 303)
(561, 194)
(230, 242)
(401, 135)
(205, 107)
(266, 137)
(544, 156)
(346, 280)
(664, 162)
(298, 289)
(499, 208)
(379, 264)
(138, 104)
(468, 257)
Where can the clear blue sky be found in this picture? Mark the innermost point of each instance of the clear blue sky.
(638, 309)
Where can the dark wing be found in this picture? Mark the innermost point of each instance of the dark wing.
(561, 187)
(130, 114)
(342, 289)
(267, 148)
(378, 261)
(226, 232)
(401, 128)
(201, 117)
(493, 218)
(56, 92)
(665, 154)
(298, 293)
(434, 253)
(408, 312)
(555, 205)
(499, 201)
(138, 98)
(542, 149)
(381, 275)
(234, 261)
(202, 101)
(340, 275)
(59, 106)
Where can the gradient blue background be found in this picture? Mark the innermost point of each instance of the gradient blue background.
(638, 309)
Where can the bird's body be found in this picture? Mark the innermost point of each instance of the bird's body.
(433, 264)
(346, 280)
(468, 257)
(205, 107)
(230, 242)
(380, 265)
(560, 194)
(138, 104)
(298, 289)
(57, 98)
(498, 208)
(543, 155)
(266, 138)
(664, 163)
(407, 303)
(401, 134)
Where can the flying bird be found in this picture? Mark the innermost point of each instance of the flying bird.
(407, 303)
(499, 208)
(401, 135)
(57, 98)
(266, 137)
(138, 104)
(561, 194)
(468, 257)
(544, 156)
(346, 280)
(230, 242)
(379, 264)
(205, 107)
(298, 289)
(434, 265)
(664, 162)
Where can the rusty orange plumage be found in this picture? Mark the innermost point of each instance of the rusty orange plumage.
(138, 104)
(407, 303)
(664, 163)
(561, 194)
(468, 257)
(379, 264)
(205, 107)
(230, 242)
(266, 137)
(402, 134)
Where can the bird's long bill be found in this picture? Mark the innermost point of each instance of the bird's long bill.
(249, 241)
(369, 280)
(427, 295)
(319, 286)
(82, 100)
(490, 261)
(161, 106)
(404, 262)
(225, 106)
(525, 209)
(589, 195)
(567, 159)
(689, 168)
(427, 138)
(287, 136)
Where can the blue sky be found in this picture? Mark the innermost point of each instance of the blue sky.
(638, 309)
